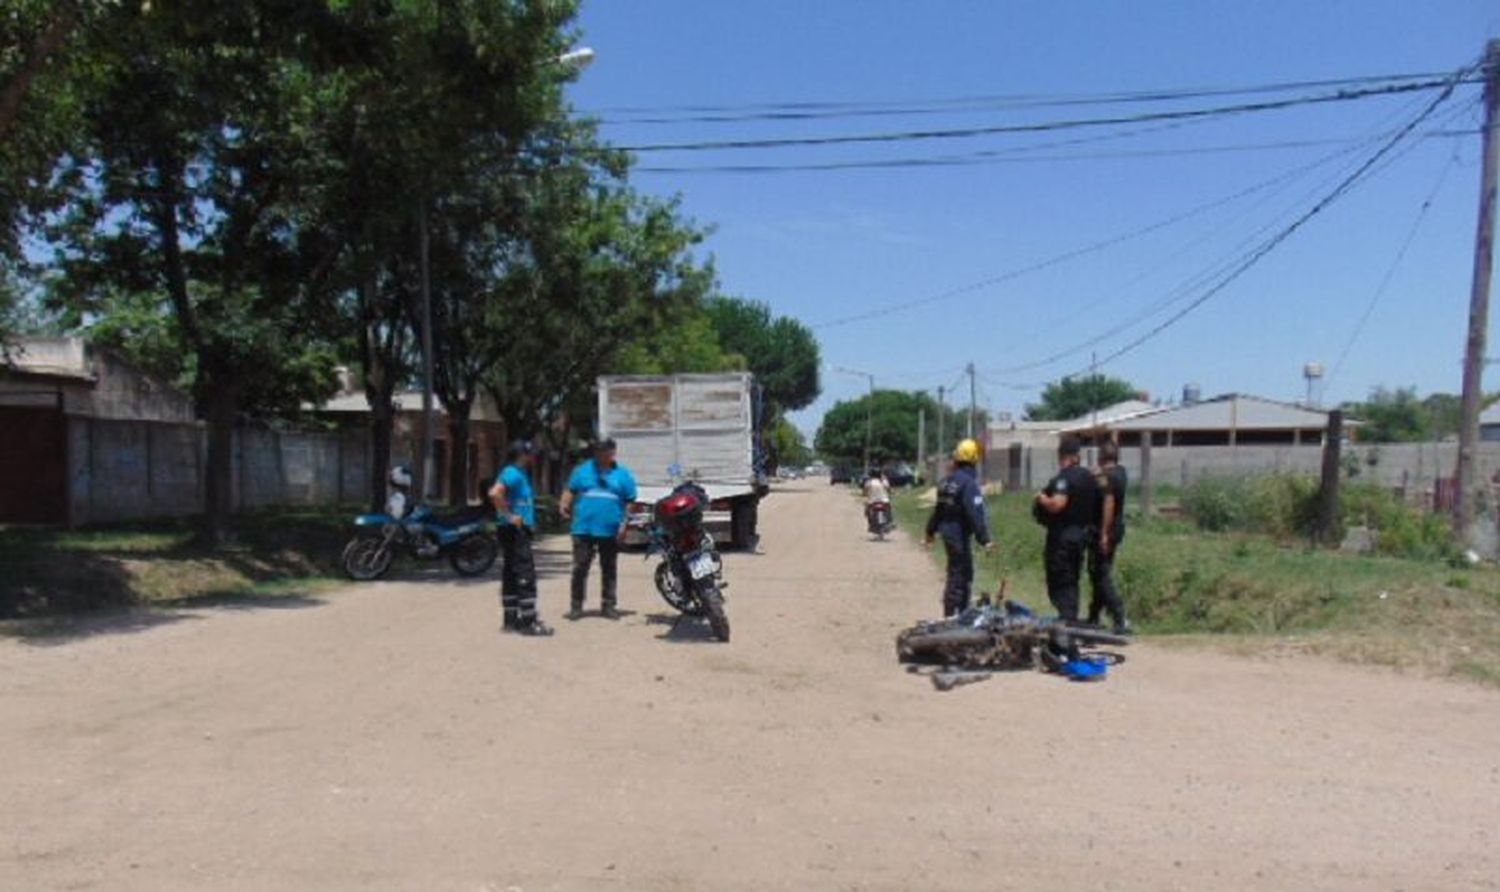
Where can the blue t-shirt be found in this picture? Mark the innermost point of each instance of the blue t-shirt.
(518, 490)
(600, 499)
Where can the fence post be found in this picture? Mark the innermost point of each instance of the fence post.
(1328, 493)
(1146, 494)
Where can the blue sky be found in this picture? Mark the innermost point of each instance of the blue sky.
(825, 245)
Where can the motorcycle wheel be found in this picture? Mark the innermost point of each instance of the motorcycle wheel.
(366, 558)
(713, 605)
(474, 555)
(670, 588)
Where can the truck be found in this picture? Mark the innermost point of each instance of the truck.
(704, 428)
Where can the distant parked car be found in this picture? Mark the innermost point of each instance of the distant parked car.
(901, 475)
(840, 474)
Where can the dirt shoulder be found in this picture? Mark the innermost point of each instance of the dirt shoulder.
(388, 736)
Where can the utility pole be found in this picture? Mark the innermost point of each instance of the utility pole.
(942, 442)
(1479, 297)
(922, 440)
(973, 403)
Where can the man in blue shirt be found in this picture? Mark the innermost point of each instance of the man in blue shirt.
(598, 494)
(515, 508)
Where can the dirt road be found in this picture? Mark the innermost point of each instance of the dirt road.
(388, 736)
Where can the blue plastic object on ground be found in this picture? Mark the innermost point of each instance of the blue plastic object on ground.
(1086, 669)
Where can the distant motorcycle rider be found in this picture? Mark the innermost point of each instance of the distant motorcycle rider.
(958, 515)
(877, 492)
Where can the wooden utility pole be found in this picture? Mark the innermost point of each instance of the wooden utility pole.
(942, 442)
(1479, 298)
(973, 403)
(1328, 493)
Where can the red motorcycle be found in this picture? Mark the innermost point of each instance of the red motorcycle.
(878, 516)
(690, 576)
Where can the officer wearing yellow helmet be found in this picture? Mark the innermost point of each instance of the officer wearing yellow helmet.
(958, 515)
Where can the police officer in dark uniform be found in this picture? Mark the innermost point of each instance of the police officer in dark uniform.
(1110, 523)
(1067, 506)
(959, 514)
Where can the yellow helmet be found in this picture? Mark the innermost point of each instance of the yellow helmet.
(967, 452)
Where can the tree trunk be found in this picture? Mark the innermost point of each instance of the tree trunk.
(382, 431)
(222, 405)
(458, 453)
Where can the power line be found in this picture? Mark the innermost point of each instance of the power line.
(803, 110)
(1078, 252)
(1045, 126)
(1229, 265)
(1271, 244)
(1017, 156)
(1390, 272)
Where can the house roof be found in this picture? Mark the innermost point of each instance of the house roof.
(1490, 415)
(1107, 416)
(354, 403)
(52, 357)
(1233, 410)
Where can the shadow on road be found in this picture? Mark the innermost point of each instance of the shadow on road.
(682, 629)
(54, 631)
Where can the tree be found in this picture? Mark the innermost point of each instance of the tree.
(893, 422)
(781, 351)
(685, 344)
(788, 446)
(1075, 397)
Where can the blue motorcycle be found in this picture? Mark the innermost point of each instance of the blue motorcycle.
(466, 538)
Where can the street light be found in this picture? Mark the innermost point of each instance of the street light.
(869, 409)
(578, 58)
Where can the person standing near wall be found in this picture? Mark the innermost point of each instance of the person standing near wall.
(1111, 481)
(596, 499)
(1067, 506)
(515, 507)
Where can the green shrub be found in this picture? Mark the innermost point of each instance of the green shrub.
(1283, 505)
(1401, 530)
(1217, 503)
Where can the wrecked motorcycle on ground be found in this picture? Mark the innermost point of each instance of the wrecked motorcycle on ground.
(1005, 635)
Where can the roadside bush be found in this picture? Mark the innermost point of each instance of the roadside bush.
(1284, 505)
(1217, 503)
(1401, 530)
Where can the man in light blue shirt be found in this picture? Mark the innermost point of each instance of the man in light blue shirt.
(598, 494)
(515, 509)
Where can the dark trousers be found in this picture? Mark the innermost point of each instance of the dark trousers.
(584, 548)
(1102, 596)
(960, 583)
(1064, 560)
(517, 577)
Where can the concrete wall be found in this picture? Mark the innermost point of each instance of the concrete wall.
(132, 470)
(1415, 466)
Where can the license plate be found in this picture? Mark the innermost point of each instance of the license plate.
(701, 566)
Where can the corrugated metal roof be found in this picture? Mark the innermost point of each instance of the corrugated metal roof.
(1230, 411)
(1107, 416)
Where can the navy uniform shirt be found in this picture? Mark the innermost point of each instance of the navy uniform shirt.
(960, 508)
(1083, 496)
(1111, 481)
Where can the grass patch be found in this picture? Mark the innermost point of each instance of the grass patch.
(53, 572)
(1408, 612)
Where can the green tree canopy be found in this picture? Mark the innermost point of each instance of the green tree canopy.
(1397, 415)
(894, 421)
(781, 351)
(1075, 397)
